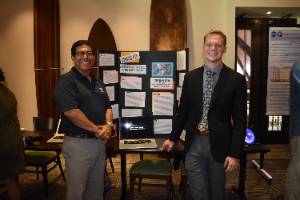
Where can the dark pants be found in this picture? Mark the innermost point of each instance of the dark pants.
(293, 172)
(206, 178)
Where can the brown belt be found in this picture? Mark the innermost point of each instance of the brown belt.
(202, 133)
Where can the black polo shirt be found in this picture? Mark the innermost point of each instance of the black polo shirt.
(73, 90)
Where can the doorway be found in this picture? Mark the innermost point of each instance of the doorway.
(252, 28)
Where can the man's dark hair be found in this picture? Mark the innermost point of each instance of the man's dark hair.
(2, 77)
(80, 43)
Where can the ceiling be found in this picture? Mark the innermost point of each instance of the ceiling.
(260, 12)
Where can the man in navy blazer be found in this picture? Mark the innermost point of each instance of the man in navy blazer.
(213, 111)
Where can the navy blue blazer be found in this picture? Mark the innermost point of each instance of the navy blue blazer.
(227, 115)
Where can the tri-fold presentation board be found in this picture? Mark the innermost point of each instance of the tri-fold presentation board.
(144, 84)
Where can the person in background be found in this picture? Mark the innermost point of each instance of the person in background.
(212, 110)
(293, 172)
(86, 120)
(11, 142)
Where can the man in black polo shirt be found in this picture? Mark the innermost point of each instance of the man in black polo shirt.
(87, 123)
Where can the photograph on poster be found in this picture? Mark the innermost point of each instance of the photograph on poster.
(162, 69)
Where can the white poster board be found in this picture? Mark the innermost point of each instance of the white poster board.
(284, 50)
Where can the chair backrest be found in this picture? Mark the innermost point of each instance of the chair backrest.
(44, 124)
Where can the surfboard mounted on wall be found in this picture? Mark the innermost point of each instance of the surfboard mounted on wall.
(102, 39)
(101, 36)
(168, 27)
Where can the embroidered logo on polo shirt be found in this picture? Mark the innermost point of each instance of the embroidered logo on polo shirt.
(101, 90)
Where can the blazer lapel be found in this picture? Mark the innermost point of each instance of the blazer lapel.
(220, 84)
(199, 91)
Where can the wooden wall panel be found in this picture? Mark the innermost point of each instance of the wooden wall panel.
(168, 25)
(102, 38)
(47, 54)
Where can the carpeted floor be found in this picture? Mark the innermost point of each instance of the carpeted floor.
(276, 163)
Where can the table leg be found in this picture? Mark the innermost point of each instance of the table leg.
(242, 177)
(123, 176)
(261, 159)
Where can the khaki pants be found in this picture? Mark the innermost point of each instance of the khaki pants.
(85, 160)
(293, 173)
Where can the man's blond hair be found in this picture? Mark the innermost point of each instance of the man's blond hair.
(217, 32)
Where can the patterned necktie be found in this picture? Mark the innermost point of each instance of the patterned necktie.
(207, 92)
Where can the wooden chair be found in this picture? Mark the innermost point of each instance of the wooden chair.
(151, 169)
(41, 159)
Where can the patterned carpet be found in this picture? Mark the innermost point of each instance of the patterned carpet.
(276, 163)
